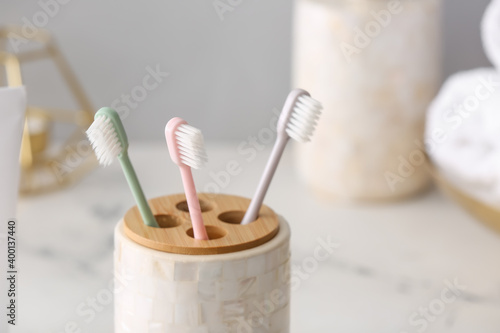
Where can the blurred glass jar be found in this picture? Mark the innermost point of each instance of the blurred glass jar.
(375, 65)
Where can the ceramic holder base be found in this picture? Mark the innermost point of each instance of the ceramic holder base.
(238, 282)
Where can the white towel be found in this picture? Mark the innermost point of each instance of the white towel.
(463, 133)
(490, 31)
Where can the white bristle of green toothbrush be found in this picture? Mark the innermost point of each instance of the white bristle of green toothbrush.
(304, 118)
(104, 140)
(191, 146)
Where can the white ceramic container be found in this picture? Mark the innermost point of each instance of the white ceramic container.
(375, 65)
(244, 291)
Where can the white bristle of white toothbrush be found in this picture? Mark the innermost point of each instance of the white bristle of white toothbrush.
(191, 146)
(304, 118)
(104, 140)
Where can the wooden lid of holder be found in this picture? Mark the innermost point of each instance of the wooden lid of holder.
(221, 214)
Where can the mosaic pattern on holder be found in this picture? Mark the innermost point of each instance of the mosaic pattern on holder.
(157, 292)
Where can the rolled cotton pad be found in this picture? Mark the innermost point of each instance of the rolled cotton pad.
(463, 133)
(490, 31)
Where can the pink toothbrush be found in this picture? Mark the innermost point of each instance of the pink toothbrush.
(187, 150)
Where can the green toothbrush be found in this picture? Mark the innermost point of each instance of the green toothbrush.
(109, 140)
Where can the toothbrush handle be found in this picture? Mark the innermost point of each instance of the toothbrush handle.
(272, 164)
(140, 199)
(199, 230)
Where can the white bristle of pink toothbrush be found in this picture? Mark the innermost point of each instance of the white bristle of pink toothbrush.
(191, 146)
(304, 118)
(104, 140)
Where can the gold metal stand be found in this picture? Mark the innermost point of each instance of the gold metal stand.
(45, 165)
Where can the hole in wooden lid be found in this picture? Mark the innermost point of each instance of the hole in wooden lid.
(232, 217)
(168, 221)
(205, 206)
(212, 231)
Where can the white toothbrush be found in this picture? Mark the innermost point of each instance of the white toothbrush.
(187, 150)
(298, 121)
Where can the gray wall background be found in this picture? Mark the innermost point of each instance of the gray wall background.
(225, 76)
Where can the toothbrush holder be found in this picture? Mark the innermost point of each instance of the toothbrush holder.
(167, 281)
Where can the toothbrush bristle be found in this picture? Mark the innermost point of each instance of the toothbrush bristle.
(191, 146)
(104, 140)
(304, 118)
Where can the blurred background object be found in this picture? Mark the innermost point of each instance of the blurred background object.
(375, 65)
(490, 30)
(12, 115)
(483, 212)
(236, 62)
(46, 164)
(463, 134)
(463, 131)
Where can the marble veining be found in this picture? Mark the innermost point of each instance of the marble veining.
(66, 255)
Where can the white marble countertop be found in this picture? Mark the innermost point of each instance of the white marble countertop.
(390, 268)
